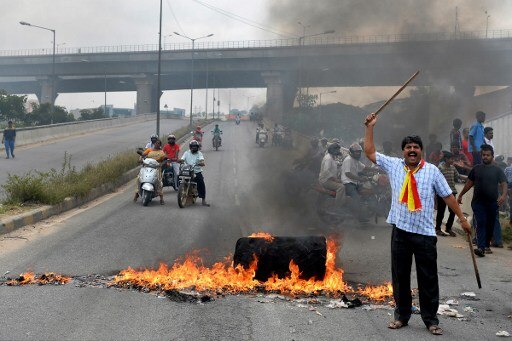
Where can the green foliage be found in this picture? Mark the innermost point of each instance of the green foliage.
(94, 114)
(54, 186)
(41, 115)
(12, 107)
(306, 100)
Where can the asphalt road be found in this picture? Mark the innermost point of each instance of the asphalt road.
(244, 187)
(86, 148)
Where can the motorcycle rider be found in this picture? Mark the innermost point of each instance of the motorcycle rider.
(261, 130)
(194, 157)
(323, 145)
(217, 132)
(172, 150)
(157, 154)
(351, 179)
(328, 177)
(151, 142)
(198, 135)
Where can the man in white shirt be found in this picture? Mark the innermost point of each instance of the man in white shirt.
(328, 176)
(194, 157)
(488, 136)
(350, 178)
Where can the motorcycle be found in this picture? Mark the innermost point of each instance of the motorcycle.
(148, 177)
(237, 121)
(216, 141)
(187, 191)
(375, 198)
(168, 175)
(277, 138)
(262, 139)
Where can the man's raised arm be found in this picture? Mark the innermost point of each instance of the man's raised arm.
(369, 146)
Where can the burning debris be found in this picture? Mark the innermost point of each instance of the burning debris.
(44, 279)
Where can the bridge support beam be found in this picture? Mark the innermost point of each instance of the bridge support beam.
(275, 95)
(146, 98)
(45, 94)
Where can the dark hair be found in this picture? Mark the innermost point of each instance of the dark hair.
(447, 154)
(457, 122)
(412, 139)
(333, 147)
(487, 148)
(488, 129)
(9, 122)
(478, 113)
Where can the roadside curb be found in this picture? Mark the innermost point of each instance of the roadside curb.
(10, 224)
(31, 217)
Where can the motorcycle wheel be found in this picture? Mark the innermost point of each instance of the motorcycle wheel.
(182, 196)
(146, 197)
(325, 217)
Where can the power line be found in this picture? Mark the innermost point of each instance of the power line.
(244, 20)
(175, 18)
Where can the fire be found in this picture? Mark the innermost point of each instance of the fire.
(266, 236)
(31, 278)
(223, 278)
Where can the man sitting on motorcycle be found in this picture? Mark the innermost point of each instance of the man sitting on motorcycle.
(194, 157)
(151, 142)
(350, 170)
(261, 130)
(172, 150)
(328, 176)
(155, 153)
(216, 133)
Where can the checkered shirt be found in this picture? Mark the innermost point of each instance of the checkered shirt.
(430, 181)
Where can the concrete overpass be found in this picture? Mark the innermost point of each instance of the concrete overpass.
(463, 61)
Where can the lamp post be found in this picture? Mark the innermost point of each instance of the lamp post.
(487, 24)
(193, 40)
(301, 46)
(52, 99)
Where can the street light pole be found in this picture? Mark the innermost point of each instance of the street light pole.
(159, 71)
(52, 99)
(193, 40)
(487, 24)
(105, 105)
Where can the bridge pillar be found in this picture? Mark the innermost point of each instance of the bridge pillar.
(45, 94)
(275, 95)
(145, 95)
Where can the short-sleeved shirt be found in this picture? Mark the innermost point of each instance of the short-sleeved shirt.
(328, 169)
(193, 159)
(172, 151)
(486, 179)
(477, 131)
(430, 181)
(353, 166)
(508, 174)
(9, 134)
(451, 175)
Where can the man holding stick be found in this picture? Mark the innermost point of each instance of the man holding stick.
(414, 185)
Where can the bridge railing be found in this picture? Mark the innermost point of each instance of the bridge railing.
(289, 42)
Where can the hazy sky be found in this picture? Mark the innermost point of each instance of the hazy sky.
(80, 23)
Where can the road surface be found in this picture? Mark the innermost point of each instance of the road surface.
(243, 186)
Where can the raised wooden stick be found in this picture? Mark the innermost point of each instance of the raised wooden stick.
(398, 92)
(477, 274)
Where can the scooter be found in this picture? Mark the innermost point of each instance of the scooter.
(148, 177)
(237, 121)
(262, 139)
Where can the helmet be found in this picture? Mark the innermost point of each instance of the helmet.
(333, 147)
(193, 143)
(354, 147)
(323, 139)
(336, 140)
(154, 136)
(171, 136)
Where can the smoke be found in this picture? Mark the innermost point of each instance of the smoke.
(374, 17)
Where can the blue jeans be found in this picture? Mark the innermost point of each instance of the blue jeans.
(485, 214)
(9, 147)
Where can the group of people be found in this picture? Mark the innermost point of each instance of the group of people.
(170, 152)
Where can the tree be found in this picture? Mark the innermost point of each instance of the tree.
(41, 114)
(12, 107)
(95, 114)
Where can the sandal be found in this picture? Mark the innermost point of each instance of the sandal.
(435, 330)
(397, 324)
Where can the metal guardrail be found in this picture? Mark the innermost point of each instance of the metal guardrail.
(289, 42)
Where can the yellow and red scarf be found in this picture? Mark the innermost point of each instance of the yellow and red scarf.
(409, 193)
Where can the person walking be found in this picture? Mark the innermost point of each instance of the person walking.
(485, 177)
(414, 184)
(8, 139)
(452, 176)
(476, 137)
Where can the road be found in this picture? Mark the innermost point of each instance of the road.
(243, 185)
(85, 148)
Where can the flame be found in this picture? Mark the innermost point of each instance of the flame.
(266, 236)
(31, 278)
(223, 278)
